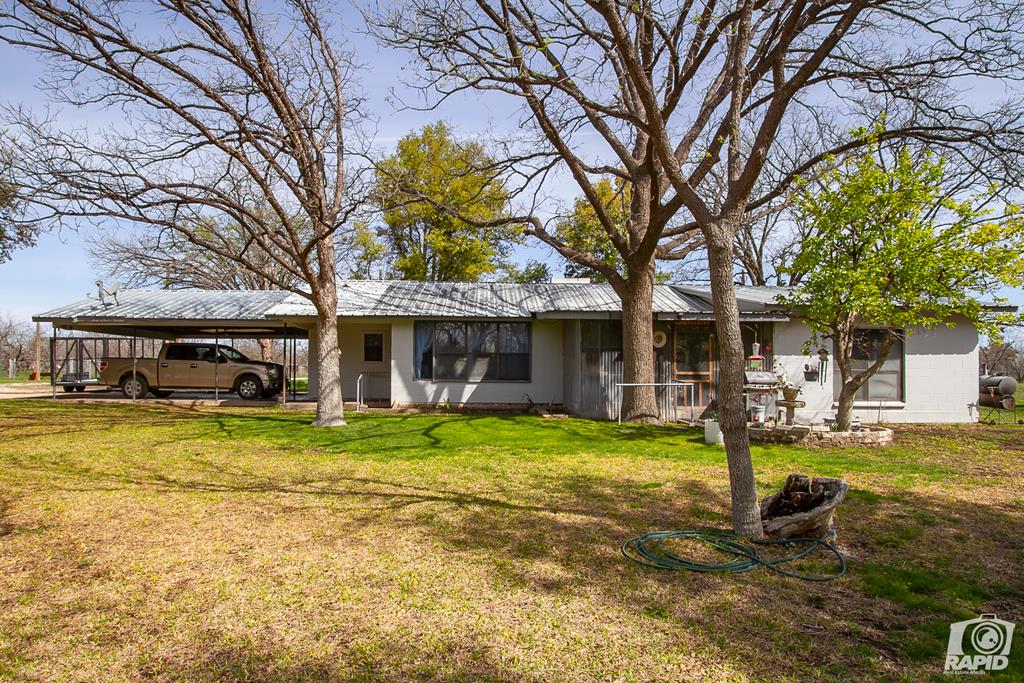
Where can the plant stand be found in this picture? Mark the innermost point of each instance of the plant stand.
(790, 407)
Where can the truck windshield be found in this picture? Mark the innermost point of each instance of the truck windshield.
(232, 354)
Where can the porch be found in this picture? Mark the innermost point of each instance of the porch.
(685, 352)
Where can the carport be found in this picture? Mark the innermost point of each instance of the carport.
(134, 321)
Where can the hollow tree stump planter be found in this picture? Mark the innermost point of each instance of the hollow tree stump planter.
(805, 507)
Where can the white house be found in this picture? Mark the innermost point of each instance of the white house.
(487, 344)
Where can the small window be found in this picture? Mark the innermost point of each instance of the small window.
(373, 347)
(887, 383)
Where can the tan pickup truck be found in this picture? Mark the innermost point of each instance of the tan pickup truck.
(192, 367)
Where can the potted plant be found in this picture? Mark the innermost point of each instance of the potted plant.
(789, 390)
(810, 373)
(712, 430)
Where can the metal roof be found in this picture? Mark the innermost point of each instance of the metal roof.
(170, 305)
(400, 299)
(381, 298)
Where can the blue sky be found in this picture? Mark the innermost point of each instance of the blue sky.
(57, 270)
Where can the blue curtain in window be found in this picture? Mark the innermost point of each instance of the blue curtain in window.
(423, 350)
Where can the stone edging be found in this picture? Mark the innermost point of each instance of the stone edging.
(819, 435)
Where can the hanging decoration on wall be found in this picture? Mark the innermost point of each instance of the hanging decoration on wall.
(822, 365)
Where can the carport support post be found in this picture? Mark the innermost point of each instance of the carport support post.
(284, 366)
(216, 365)
(135, 366)
(53, 362)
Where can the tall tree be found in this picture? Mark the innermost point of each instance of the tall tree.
(426, 242)
(163, 258)
(890, 254)
(12, 234)
(368, 256)
(16, 339)
(682, 101)
(581, 230)
(232, 111)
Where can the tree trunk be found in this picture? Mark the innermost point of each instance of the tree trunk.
(746, 516)
(844, 414)
(330, 405)
(639, 404)
(266, 349)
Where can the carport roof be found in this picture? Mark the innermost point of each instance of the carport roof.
(170, 305)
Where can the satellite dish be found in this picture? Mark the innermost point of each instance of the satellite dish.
(660, 339)
(114, 288)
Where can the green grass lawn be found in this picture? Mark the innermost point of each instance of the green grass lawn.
(18, 378)
(165, 543)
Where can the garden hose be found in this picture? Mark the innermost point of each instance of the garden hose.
(649, 550)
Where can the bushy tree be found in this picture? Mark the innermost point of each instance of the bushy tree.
(236, 111)
(889, 252)
(427, 242)
(531, 272)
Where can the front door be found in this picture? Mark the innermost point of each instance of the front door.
(693, 362)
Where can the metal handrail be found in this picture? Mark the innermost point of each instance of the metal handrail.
(359, 392)
(655, 384)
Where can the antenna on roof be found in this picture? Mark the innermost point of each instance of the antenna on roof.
(102, 292)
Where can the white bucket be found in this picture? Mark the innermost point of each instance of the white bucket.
(757, 415)
(713, 432)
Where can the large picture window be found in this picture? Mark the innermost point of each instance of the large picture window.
(887, 383)
(472, 351)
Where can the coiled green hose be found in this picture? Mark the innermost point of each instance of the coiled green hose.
(649, 550)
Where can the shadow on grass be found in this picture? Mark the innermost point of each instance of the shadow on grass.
(922, 561)
(403, 660)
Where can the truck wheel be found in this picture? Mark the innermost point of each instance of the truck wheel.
(250, 387)
(67, 389)
(159, 393)
(79, 389)
(134, 387)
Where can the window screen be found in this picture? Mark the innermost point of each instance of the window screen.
(887, 383)
(472, 351)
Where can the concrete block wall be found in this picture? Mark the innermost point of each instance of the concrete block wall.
(940, 375)
(546, 372)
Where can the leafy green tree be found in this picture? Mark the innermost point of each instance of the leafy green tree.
(367, 253)
(582, 230)
(531, 272)
(430, 170)
(890, 252)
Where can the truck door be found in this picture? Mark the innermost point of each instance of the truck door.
(207, 372)
(177, 364)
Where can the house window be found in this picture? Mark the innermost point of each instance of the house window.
(887, 383)
(373, 347)
(472, 351)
